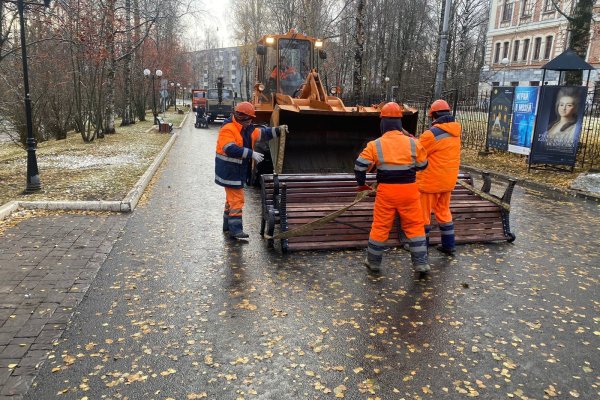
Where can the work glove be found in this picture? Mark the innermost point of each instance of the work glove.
(258, 157)
(362, 188)
(281, 129)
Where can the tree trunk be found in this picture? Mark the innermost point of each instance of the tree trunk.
(109, 125)
(140, 93)
(128, 117)
(358, 51)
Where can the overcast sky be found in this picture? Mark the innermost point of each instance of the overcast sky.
(217, 20)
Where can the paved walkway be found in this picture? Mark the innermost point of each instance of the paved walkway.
(47, 265)
(178, 311)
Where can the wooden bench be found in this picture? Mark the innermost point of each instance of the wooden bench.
(164, 127)
(292, 200)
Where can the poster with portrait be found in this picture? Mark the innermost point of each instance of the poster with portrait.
(560, 115)
(499, 117)
(523, 119)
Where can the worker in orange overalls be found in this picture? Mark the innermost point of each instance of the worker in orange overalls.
(397, 157)
(442, 142)
(234, 151)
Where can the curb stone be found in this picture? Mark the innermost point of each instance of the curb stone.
(535, 185)
(128, 203)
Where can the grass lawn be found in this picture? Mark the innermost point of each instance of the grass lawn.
(105, 169)
(515, 165)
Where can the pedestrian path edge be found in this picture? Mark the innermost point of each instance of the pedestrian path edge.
(128, 203)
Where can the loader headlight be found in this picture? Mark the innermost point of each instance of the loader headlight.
(333, 90)
(270, 40)
(319, 43)
(261, 87)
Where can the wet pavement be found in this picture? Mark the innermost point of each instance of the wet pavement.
(47, 264)
(178, 311)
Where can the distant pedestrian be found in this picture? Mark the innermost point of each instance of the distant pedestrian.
(397, 157)
(235, 149)
(442, 143)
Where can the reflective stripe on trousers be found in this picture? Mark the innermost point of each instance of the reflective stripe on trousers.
(234, 204)
(447, 231)
(234, 201)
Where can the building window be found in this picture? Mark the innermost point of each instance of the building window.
(505, 50)
(514, 83)
(536, 48)
(527, 8)
(534, 83)
(549, 6)
(495, 83)
(516, 50)
(508, 9)
(548, 49)
(525, 49)
(497, 55)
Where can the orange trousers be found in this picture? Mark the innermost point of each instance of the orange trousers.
(234, 202)
(400, 198)
(439, 203)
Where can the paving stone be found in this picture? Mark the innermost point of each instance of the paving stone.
(17, 385)
(14, 351)
(48, 264)
(4, 374)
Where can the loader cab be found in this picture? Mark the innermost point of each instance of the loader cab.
(283, 64)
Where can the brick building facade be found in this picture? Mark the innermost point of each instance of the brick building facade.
(523, 35)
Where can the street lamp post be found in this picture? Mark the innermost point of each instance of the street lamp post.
(33, 175)
(387, 80)
(364, 81)
(173, 94)
(504, 63)
(158, 73)
(183, 97)
(176, 89)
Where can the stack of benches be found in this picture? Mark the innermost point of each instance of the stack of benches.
(292, 200)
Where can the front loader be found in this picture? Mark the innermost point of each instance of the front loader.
(325, 136)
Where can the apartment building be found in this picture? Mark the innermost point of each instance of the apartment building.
(523, 35)
(209, 64)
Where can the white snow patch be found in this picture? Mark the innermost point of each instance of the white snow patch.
(88, 161)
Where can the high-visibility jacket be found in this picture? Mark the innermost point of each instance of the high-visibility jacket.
(396, 156)
(234, 151)
(442, 143)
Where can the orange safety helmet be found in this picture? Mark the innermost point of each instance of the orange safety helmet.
(246, 108)
(391, 110)
(438, 105)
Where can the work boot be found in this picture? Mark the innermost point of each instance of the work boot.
(422, 268)
(372, 266)
(239, 235)
(445, 250)
(225, 223)
(236, 228)
(448, 242)
(374, 255)
(418, 254)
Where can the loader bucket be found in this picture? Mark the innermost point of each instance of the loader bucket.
(322, 141)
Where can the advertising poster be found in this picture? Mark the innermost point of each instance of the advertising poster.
(559, 120)
(523, 120)
(499, 117)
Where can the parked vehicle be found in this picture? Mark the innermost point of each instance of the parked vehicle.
(220, 102)
(198, 99)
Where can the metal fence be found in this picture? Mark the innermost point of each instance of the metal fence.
(472, 112)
